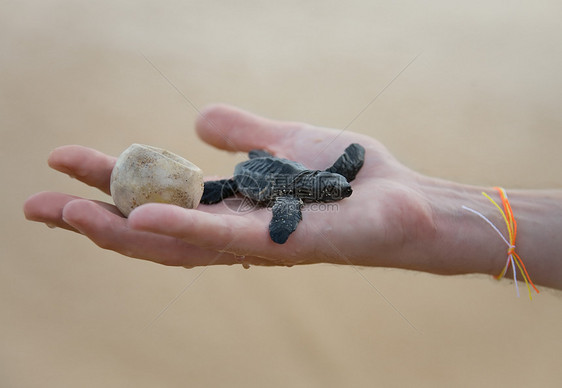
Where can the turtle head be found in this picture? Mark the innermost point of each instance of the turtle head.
(330, 187)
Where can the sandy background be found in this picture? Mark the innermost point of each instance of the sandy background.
(481, 105)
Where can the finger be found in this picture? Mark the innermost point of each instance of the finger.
(233, 129)
(239, 235)
(110, 231)
(86, 164)
(47, 207)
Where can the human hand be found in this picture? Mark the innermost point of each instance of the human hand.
(383, 223)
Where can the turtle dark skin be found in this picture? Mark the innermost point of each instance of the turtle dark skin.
(285, 185)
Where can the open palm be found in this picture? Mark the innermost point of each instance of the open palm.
(380, 224)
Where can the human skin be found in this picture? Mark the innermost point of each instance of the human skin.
(395, 217)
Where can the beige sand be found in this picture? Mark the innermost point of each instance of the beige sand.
(481, 105)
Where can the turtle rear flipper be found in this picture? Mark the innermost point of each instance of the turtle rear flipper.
(286, 216)
(350, 162)
(216, 191)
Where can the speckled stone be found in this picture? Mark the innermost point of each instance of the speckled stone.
(144, 174)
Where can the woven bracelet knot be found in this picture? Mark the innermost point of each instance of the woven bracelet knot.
(511, 225)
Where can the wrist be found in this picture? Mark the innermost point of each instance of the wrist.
(462, 242)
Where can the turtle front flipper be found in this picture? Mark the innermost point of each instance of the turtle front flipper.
(216, 191)
(286, 216)
(350, 162)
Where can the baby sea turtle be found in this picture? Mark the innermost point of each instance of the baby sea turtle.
(285, 185)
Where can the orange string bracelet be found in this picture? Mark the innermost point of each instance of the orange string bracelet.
(512, 257)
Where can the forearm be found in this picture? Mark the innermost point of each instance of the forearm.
(463, 242)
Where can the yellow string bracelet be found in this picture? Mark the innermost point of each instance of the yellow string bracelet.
(511, 224)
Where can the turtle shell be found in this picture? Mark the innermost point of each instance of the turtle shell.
(265, 178)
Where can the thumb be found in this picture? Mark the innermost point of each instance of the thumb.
(234, 129)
